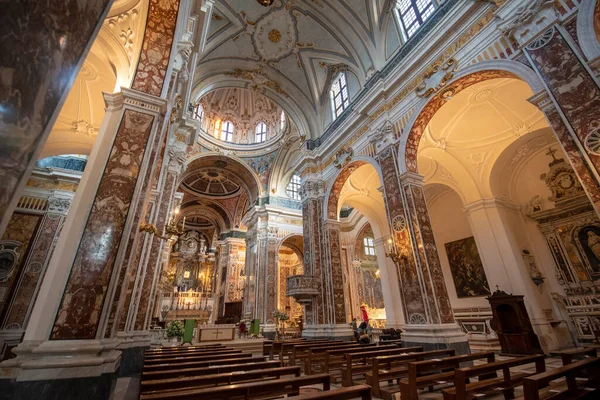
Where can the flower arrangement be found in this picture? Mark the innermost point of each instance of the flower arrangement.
(175, 329)
(280, 317)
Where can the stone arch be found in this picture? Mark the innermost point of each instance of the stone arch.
(465, 78)
(333, 192)
(233, 164)
(588, 28)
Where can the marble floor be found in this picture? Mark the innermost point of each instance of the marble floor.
(127, 387)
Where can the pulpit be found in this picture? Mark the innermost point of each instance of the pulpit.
(512, 324)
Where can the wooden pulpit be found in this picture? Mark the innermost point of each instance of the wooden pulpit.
(512, 324)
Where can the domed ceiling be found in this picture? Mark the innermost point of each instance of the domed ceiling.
(211, 182)
(288, 50)
(245, 109)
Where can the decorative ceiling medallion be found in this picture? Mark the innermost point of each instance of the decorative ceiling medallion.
(274, 36)
(592, 142)
(83, 127)
(398, 223)
(481, 96)
(265, 3)
(438, 76)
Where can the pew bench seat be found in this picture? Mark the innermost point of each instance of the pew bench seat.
(362, 392)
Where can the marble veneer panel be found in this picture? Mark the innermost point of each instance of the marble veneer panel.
(570, 83)
(337, 276)
(81, 305)
(410, 289)
(37, 262)
(42, 45)
(21, 229)
(156, 47)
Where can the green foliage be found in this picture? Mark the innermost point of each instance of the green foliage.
(280, 316)
(175, 329)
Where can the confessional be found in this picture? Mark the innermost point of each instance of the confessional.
(512, 324)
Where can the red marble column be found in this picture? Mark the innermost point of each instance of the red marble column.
(575, 93)
(267, 246)
(43, 45)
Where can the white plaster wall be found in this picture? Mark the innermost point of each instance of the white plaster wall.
(450, 223)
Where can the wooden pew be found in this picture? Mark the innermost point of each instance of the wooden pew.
(193, 357)
(588, 388)
(300, 351)
(429, 373)
(164, 350)
(463, 390)
(185, 354)
(316, 355)
(180, 364)
(248, 391)
(287, 349)
(391, 341)
(580, 352)
(334, 359)
(220, 379)
(362, 392)
(360, 363)
(215, 369)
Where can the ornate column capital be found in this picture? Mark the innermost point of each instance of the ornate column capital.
(58, 204)
(383, 138)
(312, 189)
(543, 101)
(412, 178)
(524, 21)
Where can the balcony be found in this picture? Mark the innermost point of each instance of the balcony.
(301, 287)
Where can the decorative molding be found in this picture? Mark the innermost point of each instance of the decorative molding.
(343, 157)
(437, 77)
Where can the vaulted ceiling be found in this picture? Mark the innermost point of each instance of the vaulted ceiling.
(291, 50)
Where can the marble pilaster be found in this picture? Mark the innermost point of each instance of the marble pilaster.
(426, 306)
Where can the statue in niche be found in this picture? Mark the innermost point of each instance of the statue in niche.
(589, 239)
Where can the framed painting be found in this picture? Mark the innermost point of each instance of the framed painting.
(466, 268)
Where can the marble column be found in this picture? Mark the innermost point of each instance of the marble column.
(571, 100)
(250, 311)
(266, 275)
(325, 314)
(66, 335)
(43, 47)
(428, 316)
(389, 286)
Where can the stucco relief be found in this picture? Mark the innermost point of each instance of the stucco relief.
(84, 296)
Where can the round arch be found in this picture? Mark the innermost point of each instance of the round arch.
(295, 241)
(465, 78)
(232, 164)
(587, 33)
(333, 191)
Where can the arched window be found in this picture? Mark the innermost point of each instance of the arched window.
(293, 188)
(369, 246)
(282, 120)
(227, 131)
(339, 95)
(198, 112)
(261, 132)
(412, 14)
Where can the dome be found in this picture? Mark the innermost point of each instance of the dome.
(240, 116)
(211, 182)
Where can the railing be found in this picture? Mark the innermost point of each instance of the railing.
(301, 287)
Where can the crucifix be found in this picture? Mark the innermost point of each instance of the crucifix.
(551, 152)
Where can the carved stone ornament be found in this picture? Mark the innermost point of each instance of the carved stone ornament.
(531, 18)
(343, 157)
(398, 223)
(592, 142)
(561, 180)
(438, 76)
(384, 137)
(259, 81)
(9, 258)
(58, 205)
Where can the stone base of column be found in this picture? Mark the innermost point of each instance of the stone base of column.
(268, 331)
(64, 368)
(343, 332)
(436, 337)
(553, 338)
(9, 338)
(132, 346)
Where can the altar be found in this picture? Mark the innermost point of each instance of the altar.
(217, 333)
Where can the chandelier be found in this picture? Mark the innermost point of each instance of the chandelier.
(265, 3)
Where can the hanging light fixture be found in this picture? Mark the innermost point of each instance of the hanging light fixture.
(265, 3)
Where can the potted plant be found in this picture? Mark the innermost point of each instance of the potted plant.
(280, 318)
(175, 331)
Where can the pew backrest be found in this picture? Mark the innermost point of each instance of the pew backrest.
(567, 356)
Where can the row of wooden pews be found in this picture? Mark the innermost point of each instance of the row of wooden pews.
(220, 372)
